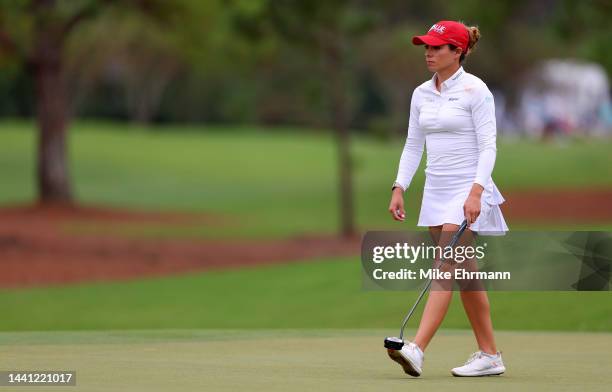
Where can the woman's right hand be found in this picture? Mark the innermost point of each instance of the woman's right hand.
(396, 208)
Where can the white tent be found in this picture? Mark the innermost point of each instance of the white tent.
(565, 97)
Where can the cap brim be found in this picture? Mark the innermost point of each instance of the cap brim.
(428, 40)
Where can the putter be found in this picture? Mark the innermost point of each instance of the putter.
(396, 343)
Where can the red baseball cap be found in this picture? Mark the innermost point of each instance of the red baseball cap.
(445, 32)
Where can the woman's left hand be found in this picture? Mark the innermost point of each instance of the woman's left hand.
(471, 208)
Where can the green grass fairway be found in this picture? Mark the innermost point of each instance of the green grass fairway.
(267, 182)
(312, 294)
(286, 186)
(324, 360)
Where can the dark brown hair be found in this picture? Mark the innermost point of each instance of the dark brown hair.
(474, 37)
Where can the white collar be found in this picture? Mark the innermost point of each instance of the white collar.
(448, 83)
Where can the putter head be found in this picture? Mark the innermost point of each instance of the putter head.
(394, 343)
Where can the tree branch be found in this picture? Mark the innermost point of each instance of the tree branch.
(85, 13)
(145, 6)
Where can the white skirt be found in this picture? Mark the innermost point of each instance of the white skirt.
(445, 195)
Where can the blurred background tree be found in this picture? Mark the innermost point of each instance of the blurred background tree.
(254, 61)
(35, 35)
(584, 27)
(329, 31)
(348, 65)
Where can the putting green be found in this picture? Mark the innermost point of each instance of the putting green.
(297, 360)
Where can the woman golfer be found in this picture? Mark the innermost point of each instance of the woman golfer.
(454, 115)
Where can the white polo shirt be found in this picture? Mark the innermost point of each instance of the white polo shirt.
(458, 126)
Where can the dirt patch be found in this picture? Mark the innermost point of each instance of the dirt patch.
(565, 206)
(36, 251)
(50, 214)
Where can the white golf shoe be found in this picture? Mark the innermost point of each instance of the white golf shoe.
(410, 358)
(481, 364)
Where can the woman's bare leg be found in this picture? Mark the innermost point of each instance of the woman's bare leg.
(476, 305)
(478, 310)
(438, 301)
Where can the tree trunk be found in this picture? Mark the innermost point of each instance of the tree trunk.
(52, 118)
(337, 86)
(344, 170)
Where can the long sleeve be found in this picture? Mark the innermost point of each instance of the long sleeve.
(483, 115)
(413, 149)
